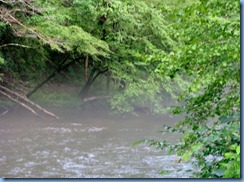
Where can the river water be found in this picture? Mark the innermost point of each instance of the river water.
(85, 144)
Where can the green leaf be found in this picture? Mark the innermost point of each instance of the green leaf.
(238, 149)
(164, 172)
(1, 60)
(197, 147)
(186, 156)
(229, 155)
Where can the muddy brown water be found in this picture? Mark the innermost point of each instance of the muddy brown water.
(85, 144)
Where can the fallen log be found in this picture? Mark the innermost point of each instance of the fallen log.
(89, 99)
(20, 103)
(4, 111)
(27, 100)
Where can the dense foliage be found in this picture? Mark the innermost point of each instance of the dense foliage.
(152, 51)
(118, 35)
(209, 50)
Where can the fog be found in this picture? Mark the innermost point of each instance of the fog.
(91, 143)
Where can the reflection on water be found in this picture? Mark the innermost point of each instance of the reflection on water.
(83, 145)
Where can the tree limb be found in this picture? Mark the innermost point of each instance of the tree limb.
(88, 99)
(5, 111)
(29, 101)
(14, 44)
(20, 103)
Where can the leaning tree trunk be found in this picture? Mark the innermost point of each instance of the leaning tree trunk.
(59, 69)
(22, 101)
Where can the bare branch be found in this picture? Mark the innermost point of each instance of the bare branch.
(5, 110)
(14, 44)
(4, 2)
(88, 99)
(29, 101)
(20, 103)
(38, 35)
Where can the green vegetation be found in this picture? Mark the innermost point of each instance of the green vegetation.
(209, 51)
(139, 53)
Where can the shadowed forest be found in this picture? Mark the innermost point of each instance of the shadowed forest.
(131, 58)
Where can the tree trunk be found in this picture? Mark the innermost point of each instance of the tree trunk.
(90, 81)
(88, 84)
(16, 100)
(60, 68)
(108, 82)
(86, 68)
(20, 103)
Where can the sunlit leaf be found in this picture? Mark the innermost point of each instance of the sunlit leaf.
(186, 156)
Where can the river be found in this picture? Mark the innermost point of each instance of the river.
(85, 144)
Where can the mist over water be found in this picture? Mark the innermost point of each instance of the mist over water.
(85, 144)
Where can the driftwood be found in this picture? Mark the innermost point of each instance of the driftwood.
(20, 103)
(26, 100)
(5, 111)
(89, 99)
